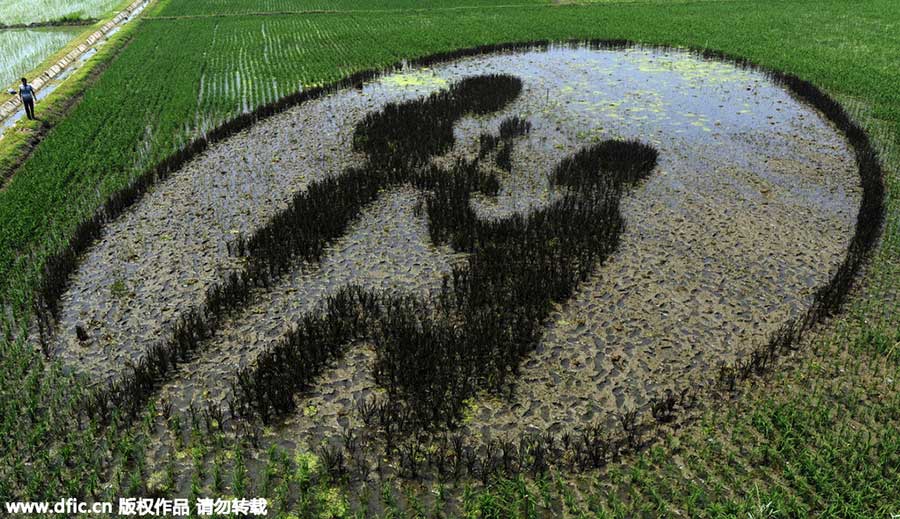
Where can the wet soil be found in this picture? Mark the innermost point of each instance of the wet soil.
(750, 208)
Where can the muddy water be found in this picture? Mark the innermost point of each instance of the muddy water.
(750, 208)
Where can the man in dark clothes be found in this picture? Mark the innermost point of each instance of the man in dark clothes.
(26, 92)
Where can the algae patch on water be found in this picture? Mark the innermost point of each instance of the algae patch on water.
(415, 80)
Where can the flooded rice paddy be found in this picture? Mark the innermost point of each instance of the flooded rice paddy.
(16, 12)
(22, 50)
(751, 206)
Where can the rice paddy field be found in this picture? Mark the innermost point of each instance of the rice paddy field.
(465, 258)
(21, 50)
(14, 12)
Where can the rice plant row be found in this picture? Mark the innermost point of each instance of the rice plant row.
(245, 7)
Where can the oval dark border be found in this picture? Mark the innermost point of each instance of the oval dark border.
(828, 299)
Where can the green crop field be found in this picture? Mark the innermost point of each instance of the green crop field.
(819, 436)
(246, 7)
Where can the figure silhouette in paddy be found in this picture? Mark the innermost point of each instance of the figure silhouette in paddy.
(492, 308)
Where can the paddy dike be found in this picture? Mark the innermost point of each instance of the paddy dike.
(750, 208)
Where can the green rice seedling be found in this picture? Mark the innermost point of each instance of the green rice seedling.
(247, 7)
(171, 479)
(270, 473)
(218, 481)
(174, 423)
(239, 476)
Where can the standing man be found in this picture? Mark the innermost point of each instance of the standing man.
(26, 92)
